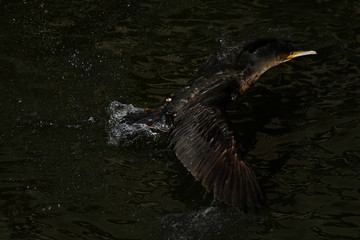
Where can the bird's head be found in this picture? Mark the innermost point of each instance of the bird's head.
(267, 53)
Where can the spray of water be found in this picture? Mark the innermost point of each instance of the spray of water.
(119, 129)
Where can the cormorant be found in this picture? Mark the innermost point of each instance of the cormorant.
(202, 135)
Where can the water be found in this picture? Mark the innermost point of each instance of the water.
(63, 64)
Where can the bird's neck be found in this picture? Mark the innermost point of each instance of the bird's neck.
(248, 77)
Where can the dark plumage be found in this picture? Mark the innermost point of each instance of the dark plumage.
(202, 135)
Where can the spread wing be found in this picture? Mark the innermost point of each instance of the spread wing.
(206, 145)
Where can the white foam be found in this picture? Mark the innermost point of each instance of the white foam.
(119, 129)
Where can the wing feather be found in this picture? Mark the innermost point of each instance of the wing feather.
(205, 143)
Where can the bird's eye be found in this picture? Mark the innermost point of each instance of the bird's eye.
(291, 53)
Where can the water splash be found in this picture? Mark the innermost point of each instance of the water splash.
(118, 126)
(213, 223)
(200, 224)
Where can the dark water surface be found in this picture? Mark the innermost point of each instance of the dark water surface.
(62, 65)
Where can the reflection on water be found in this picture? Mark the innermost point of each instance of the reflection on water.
(63, 64)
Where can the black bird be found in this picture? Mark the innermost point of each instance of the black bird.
(202, 135)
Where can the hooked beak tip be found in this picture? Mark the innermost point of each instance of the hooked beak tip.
(305, 53)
